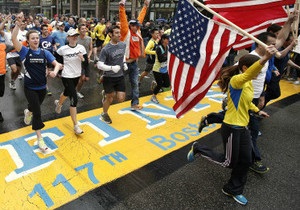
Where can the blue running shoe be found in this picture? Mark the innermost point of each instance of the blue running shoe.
(191, 155)
(238, 198)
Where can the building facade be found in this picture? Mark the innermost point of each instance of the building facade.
(89, 8)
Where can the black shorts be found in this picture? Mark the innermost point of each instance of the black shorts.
(99, 42)
(112, 84)
(85, 70)
(14, 60)
(149, 67)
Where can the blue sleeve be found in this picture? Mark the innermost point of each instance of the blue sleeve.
(253, 47)
(49, 56)
(23, 52)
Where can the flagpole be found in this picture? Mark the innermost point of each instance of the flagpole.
(297, 7)
(245, 33)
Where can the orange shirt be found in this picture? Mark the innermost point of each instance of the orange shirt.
(2, 58)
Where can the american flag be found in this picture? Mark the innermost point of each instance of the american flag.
(237, 5)
(197, 49)
(254, 16)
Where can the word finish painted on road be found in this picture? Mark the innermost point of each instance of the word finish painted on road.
(74, 165)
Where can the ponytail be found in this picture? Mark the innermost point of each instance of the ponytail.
(228, 72)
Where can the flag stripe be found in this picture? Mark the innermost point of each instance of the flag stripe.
(255, 23)
(195, 56)
(235, 5)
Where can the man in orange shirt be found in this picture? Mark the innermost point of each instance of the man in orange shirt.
(131, 35)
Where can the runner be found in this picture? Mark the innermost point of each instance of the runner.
(236, 137)
(73, 57)
(34, 59)
(112, 62)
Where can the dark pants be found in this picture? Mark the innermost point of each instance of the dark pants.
(273, 89)
(237, 155)
(35, 98)
(254, 129)
(2, 85)
(162, 80)
(215, 117)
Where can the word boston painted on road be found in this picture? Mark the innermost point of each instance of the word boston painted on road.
(75, 165)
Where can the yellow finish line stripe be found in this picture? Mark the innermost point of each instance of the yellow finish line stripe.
(75, 164)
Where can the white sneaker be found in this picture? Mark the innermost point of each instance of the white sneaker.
(297, 82)
(12, 85)
(42, 145)
(27, 117)
(154, 99)
(77, 130)
(20, 76)
(79, 95)
(57, 107)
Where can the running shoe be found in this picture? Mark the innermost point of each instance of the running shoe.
(49, 93)
(154, 99)
(27, 117)
(259, 167)
(77, 130)
(57, 107)
(191, 154)
(297, 82)
(238, 198)
(105, 117)
(20, 76)
(79, 95)
(12, 85)
(42, 145)
(202, 124)
(136, 107)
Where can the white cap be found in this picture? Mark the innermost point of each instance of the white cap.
(60, 23)
(72, 32)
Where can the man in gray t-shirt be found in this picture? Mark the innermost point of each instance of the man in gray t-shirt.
(112, 62)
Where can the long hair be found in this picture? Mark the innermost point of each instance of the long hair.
(228, 72)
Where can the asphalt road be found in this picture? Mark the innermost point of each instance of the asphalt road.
(173, 183)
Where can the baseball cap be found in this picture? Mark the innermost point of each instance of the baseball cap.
(72, 32)
(60, 23)
(134, 22)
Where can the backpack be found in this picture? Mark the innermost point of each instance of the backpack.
(151, 58)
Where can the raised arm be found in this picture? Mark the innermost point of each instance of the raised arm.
(286, 29)
(14, 39)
